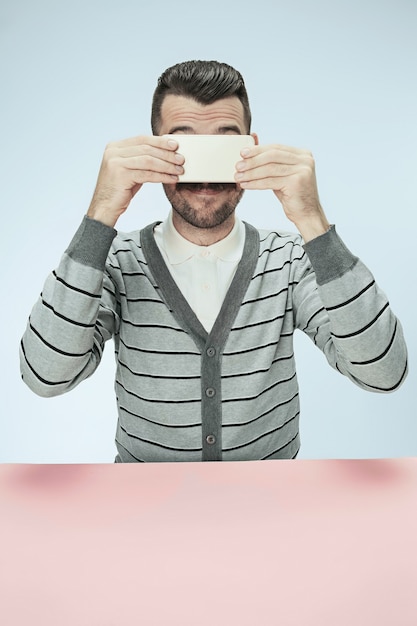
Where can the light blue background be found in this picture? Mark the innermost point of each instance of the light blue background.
(338, 78)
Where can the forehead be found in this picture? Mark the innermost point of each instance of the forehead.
(182, 111)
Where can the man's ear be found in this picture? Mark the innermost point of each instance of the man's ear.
(256, 139)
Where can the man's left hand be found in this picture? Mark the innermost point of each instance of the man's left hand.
(290, 173)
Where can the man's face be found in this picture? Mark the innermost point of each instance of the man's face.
(203, 205)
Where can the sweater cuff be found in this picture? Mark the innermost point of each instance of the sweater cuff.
(91, 243)
(329, 256)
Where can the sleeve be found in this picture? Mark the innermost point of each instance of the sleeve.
(74, 316)
(338, 304)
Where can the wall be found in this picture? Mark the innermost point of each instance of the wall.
(335, 77)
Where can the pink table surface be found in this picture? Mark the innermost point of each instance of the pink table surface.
(258, 543)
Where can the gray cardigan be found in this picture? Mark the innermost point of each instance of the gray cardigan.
(232, 394)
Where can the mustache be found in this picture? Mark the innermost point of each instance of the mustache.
(210, 186)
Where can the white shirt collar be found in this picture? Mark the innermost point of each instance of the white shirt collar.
(178, 249)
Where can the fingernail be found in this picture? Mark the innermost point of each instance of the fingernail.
(245, 152)
(240, 165)
(172, 143)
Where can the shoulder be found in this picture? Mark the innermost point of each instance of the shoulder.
(132, 239)
(280, 243)
(126, 249)
(281, 253)
(124, 239)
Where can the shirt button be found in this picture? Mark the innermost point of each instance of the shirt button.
(210, 392)
(211, 351)
(211, 439)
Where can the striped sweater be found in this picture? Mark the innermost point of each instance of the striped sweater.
(232, 394)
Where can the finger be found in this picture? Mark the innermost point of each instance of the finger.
(148, 150)
(275, 158)
(167, 143)
(286, 152)
(149, 176)
(141, 158)
(264, 183)
(147, 163)
(270, 170)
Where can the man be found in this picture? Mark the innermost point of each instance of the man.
(202, 308)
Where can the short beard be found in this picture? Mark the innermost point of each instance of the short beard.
(204, 216)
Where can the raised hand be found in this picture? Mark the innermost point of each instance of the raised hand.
(126, 165)
(290, 173)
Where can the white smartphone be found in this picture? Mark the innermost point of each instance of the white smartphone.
(211, 158)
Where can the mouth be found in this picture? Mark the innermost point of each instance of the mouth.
(206, 188)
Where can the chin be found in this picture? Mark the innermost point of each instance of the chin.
(204, 205)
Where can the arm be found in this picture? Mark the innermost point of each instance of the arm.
(126, 165)
(337, 303)
(77, 310)
(73, 317)
(290, 173)
(345, 313)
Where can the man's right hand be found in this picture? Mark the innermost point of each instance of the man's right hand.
(125, 167)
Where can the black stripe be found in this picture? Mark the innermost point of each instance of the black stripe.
(66, 319)
(146, 419)
(244, 445)
(315, 335)
(142, 299)
(295, 455)
(281, 448)
(358, 332)
(132, 273)
(271, 250)
(272, 410)
(159, 326)
(126, 239)
(388, 389)
(263, 322)
(98, 331)
(129, 453)
(381, 356)
(54, 348)
(260, 371)
(278, 269)
(129, 250)
(271, 295)
(159, 445)
(258, 395)
(312, 317)
(147, 351)
(158, 400)
(358, 295)
(277, 234)
(43, 380)
(77, 289)
(112, 293)
(158, 377)
(265, 345)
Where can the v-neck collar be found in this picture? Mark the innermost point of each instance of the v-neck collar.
(178, 249)
(179, 305)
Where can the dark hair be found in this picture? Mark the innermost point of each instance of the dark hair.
(204, 81)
